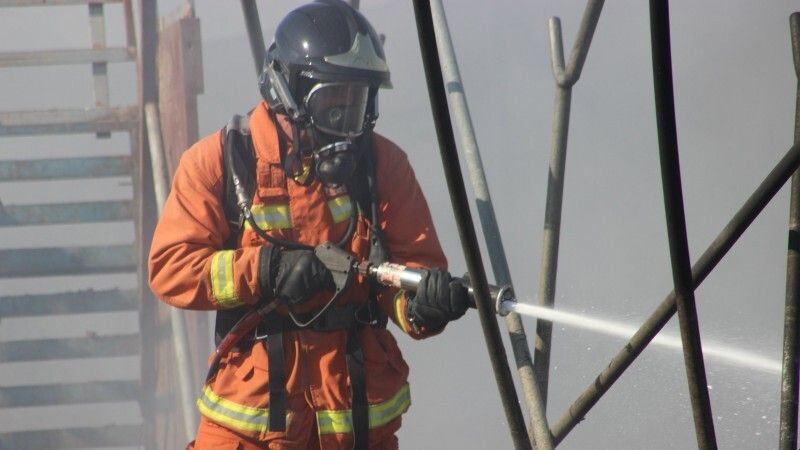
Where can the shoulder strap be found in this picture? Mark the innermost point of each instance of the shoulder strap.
(238, 161)
(364, 191)
(378, 252)
(238, 156)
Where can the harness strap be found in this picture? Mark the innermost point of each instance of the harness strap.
(336, 319)
(277, 382)
(238, 161)
(358, 387)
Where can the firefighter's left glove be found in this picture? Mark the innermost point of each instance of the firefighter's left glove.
(439, 299)
(294, 275)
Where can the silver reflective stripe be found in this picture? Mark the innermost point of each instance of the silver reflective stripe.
(362, 55)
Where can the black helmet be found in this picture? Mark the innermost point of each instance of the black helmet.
(324, 44)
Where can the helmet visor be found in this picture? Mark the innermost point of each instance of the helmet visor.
(338, 108)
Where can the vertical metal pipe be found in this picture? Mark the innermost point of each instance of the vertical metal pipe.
(676, 224)
(147, 83)
(466, 231)
(565, 79)
(539, 430)
(702, 268)
(789, 379)
(355, 3)
(179, 340)
(254, 34)
(552, 216)
(148, 80)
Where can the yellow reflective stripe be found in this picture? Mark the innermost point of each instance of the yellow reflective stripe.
(399, 312)
(341, 208)
(331, 422)
(232, 415)
(339, 422)
(271, 217)
(383, 413)
(222, 279)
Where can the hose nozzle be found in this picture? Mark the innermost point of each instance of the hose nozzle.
(400, 276)
(499, 294)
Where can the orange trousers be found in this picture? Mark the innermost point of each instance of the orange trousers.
(211, 436)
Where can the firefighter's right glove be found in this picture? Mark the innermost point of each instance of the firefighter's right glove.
(296, 275)
(439, 299)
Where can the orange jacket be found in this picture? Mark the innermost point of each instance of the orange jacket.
(189, 268)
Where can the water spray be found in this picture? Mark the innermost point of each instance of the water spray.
(505, 302)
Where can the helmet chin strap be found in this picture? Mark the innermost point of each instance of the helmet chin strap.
(294, 164)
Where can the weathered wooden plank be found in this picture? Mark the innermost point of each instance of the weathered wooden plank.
(64, 121)
(65, 57)
(63, 394)
(66, 261)
(63, 213)
(78, 302)
(180, 82)
(62, 168)
(100, 437)
(71, 348)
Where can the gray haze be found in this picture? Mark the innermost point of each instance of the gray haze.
(735, 89)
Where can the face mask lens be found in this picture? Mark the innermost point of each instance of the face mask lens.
(338, 109)
(335, 116)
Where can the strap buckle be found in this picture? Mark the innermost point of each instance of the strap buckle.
(257, 337)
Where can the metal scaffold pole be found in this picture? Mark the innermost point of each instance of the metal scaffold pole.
(565, 78)
(676, 224)
(789, 379)
(180, 343)
(149, 39)
(539, 430)
(254, 34)
(466, 230)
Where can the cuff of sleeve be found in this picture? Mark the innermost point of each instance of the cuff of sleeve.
(400, 301)
(267, 263)
(406, 320)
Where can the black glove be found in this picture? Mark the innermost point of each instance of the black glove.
(439, 299)
(295, 275)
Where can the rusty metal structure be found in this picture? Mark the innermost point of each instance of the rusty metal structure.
(169, 355)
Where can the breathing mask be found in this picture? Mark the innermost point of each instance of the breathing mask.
(333, 116)
(336, 113)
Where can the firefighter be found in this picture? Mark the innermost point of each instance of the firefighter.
(321, 370)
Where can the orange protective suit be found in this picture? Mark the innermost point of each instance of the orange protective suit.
(189, 268)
